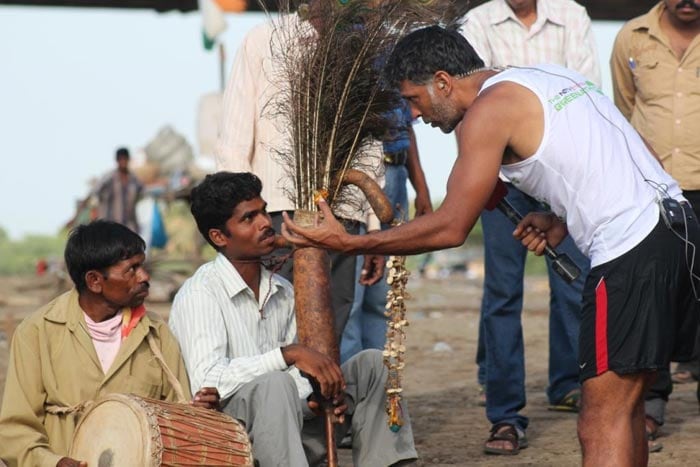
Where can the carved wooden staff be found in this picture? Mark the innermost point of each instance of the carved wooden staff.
(312, 292)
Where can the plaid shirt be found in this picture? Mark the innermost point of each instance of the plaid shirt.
(561, 35)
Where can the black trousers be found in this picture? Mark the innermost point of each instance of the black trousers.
(663, 386)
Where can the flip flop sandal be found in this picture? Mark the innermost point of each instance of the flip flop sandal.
(682, 377)
(653, 444)
(570, 403)
(510, 435)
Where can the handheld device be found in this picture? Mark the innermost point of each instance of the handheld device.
(672, 213)
(561, 263)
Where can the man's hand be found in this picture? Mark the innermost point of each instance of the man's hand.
(372, 269)
(539, 229)
(68, 462)
(339, 407)
(327, 233)
(208, 398)
(318, 366)
(423, 204)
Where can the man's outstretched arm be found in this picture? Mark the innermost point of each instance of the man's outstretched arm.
(471, 182)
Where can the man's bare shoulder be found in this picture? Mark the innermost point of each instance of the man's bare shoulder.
(507, 113)
(505, 98)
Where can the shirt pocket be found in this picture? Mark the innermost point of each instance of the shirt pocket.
(144, 388)
(648, 77)
(145, 376)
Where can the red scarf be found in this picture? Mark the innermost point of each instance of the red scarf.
(130, 318)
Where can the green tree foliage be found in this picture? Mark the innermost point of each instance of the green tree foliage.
(21, 256)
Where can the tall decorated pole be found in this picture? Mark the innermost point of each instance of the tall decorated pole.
(329, 57)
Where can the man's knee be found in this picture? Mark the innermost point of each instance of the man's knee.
(275, 386)
(271, 392)
(610, 396)
(370, 359)
(276, 382)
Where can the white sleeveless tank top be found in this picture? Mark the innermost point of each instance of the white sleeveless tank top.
(591, 165)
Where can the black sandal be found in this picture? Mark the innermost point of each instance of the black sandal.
(510, 435)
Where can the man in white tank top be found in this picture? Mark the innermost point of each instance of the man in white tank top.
(559, 140)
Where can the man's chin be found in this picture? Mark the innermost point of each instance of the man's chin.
(138, 301)
(267, 251)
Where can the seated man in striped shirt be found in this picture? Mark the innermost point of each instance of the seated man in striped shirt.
(236, 326)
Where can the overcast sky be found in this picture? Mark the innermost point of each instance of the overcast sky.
(78, 83)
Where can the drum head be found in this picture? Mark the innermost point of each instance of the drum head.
(114, 432)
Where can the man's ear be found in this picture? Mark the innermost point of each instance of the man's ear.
(217, 237)
(443, 81)
(94, 280)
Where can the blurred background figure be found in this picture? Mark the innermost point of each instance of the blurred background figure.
(118, 192)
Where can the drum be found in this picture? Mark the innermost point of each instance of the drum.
(125, 430)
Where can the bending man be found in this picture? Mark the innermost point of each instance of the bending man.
(558, 139)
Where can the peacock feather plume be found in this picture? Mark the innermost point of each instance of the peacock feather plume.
(333, 97)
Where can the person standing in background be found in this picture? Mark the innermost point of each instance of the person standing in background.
(118, 192)
(525, 33)
(655, 67)
(366, 327)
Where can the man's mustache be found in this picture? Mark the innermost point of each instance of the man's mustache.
(268, 233)
(687, 3)
(144, 287)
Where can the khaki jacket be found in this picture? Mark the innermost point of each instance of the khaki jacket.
(53, 362)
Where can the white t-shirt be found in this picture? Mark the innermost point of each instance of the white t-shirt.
(591, 165)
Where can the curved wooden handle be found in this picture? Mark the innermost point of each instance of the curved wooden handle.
(374, 193)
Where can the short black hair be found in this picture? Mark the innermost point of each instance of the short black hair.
(422, 53)
(121, 152)
(97, 246)
(212, 202)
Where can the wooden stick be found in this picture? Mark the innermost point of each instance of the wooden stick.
(330, 435)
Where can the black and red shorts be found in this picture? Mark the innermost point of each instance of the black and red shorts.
(639, 310)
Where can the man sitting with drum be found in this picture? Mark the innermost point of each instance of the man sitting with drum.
(236, 326)
(88, 342)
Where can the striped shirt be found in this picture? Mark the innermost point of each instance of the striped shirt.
(224, 339)
(253, 131)
(561, 35)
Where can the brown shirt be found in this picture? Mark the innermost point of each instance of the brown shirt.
(660, 94)
(53, 363)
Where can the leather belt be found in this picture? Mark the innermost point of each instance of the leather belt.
(396, 158)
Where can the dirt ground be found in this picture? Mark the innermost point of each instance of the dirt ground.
(440, 382)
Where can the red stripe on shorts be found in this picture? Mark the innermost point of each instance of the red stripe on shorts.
(601, 327)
